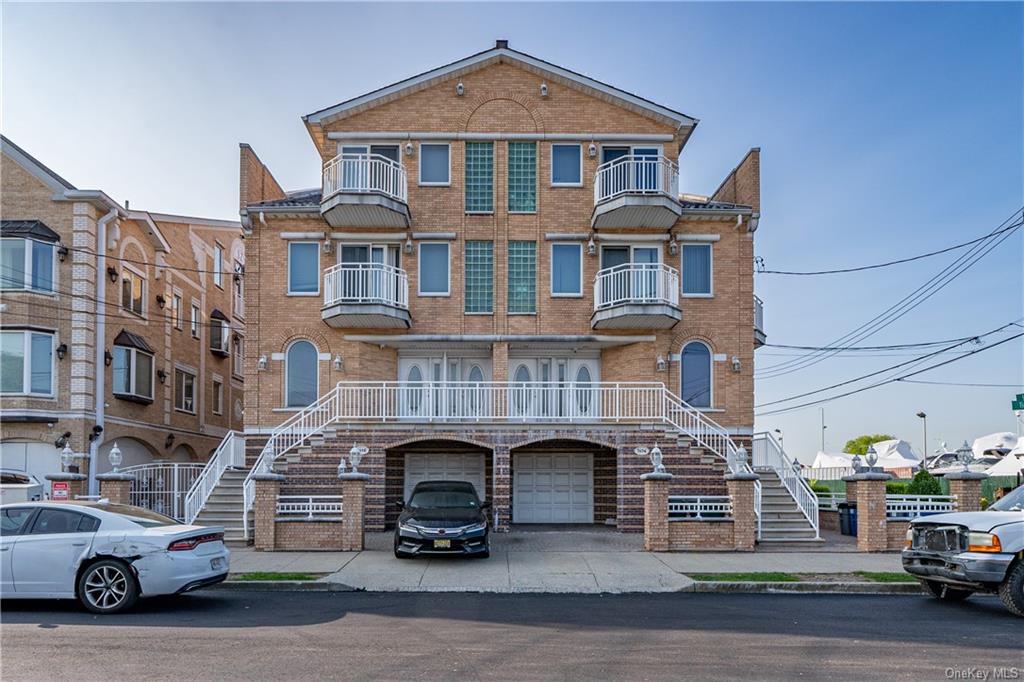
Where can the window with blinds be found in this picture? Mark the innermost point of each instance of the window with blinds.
(696, 269)
(522, 277)
(479, 277)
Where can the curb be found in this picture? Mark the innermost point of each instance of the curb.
(859, 588)
(285, 586)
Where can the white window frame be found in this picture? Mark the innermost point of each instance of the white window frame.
(711, 269)
(316, 372)
(419, 270)
(184, 372)
(125, 268)
(26, 370)
(27, 272)
(289, 273)
(133, 378)
(551, 270)
(218, 397)
(632, 246)
(195, 321)
(177, 309)
(419, 165)
(218, 265)
(237, 356)
(225, 336)
(551, 164)
(711, 373)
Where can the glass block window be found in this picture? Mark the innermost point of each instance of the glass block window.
(522, 177)
(479, 177)
(522, 277)
(479, 276)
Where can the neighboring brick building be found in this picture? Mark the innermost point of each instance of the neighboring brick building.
(499, 244)
(168, 394)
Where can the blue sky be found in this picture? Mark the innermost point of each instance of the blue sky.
(886, 130)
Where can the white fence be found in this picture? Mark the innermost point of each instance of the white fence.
(230, 454)
(635, 174)
(162, 486)
(767, 453)
(636, 283)
(365, 173)
(911, 506)
(830, 501)
(699, 507)
(827, 473)
(309, 506)
(366, 283)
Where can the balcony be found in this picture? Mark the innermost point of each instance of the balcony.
(365, 190)
(366, 295)
(636, 296)
(760, 338)
(636, 191)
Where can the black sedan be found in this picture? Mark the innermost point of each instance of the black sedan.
(443, 517)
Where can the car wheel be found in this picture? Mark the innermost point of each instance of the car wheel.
(945, 592)
(1011, 591)
(107, 586)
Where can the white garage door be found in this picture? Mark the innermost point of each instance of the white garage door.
(37, 459)
(445, 467)
(553, 488)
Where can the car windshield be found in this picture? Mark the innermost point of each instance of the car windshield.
(1012, 501)
(443, 499)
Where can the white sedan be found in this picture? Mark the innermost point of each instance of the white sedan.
(105, 555)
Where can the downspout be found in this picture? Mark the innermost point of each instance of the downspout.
(101, 341)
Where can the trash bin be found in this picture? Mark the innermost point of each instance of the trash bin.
(853, 519)
(847, 518)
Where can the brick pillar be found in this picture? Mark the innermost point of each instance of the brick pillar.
(78, 485)
(264, 511)
(851, 490)
(353, 494)
(965, 486)
(872, 526)
(656, 511)
(744, 510)
(499, 362)
(116, 487)
(501, 490)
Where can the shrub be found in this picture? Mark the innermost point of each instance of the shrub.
(820, 487)
(924, 484)
(984, 503)
(896, 488)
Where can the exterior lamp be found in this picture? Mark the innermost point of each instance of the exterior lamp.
(460, 89)
(408, 148)
(543, 89)
(160, 300)
(107, 358)
(62, 252)
(965, 455)
(673, 246)
(656, 459)
(855, 463)
(662, 365)
(736, 364)
(591, 247)
(592, 150)
(114, 457)
(741, 456)
(261, 364)
(871, 457)
(408, 244)
(112, 274)
(161, 375)
(67, 457)
(355, 455)
(62, 350)
(337, 363)
(341, 467)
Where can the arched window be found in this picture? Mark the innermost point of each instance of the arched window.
(583, 390)
(476, 374)
(695, 378)
(414, 392)
(521, 389)
(301, 380)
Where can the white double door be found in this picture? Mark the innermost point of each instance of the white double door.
(554, 388)
(444, 386)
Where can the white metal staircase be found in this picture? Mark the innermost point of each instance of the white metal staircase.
(789, 508)
(215, 498)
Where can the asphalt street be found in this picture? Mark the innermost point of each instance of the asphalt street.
(250, 635)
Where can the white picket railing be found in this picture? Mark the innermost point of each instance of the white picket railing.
(162, 486)
(309, 506)
(830, 501)
(767, 453)
(366, 283)
(363, 174)
(636, 174)
(699, 507)
(230, 454)
(636, 283)
(827, 473)
(911, 506)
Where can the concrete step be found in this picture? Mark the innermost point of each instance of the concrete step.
(784, 524)
(786, 534)
(794, 543)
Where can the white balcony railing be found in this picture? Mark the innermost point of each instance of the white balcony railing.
(636, 175)
(309, 506)
(699, 507)
(636, 283)
(366, 283)
(365, 174)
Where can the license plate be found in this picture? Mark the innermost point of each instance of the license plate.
(216, 564)
(442, 544)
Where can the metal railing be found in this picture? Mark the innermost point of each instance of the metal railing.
(636, 175)
(699, 507)
(899, 507)
(830, 501)
(162, 486)
(230, 454)
(309, 506)
(365, 174)
(767, 453)
(827, 473)
(636, 283)
(758, 314)
(366, 283)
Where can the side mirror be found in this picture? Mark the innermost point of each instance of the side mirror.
(400, 504)
(485, 505)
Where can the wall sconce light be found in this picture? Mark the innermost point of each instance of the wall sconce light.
(543, 89)
(460, 89)
(62, 440)
(337, 363)
(736, 364)
(112, 274)
(661, 364)
(328, 246)
(673, 246)
(160, 300)
(96, 431)
(107, 358)
(62, 350)
(161, 375)
(169, 441)
(261, 364)
(408, 244)
(408, 148)
(62, 252)
(591, 247)
(592, 150)
(355, 456)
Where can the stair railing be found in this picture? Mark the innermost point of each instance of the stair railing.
(230, 454)
(768, 454)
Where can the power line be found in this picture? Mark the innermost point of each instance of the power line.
(895, 346)
(956, 383)
(92, 253)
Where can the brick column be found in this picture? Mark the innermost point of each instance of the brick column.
(872, 526)
(851, 490)
(264, 511)
(966, 487)
(744, 510)
(116, 487)
(353, 493)
(501, 490)
(499, 362)
(656, 511)
(78, 484)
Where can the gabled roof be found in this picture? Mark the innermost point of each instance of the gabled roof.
(34, 166)
(28, 229)
(501, 52)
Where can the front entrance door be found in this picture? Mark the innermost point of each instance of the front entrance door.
(553, 488)
(554, 388)
(442, 386)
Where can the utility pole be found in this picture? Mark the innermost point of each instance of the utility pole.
(823, 427)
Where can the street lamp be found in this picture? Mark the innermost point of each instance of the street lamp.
(114, 457)
(855, 463)
(924, 450)
(67, 457)
(355, 455)
(871, 457)
(965, 455)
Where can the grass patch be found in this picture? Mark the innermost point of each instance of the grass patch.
(886, 577)
(771, 577)
(273, 576)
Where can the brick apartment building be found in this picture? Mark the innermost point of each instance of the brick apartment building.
(159, 290)
(499, 281)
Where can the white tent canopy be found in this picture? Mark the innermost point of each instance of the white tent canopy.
(892, 454)
(1010, 464)
(1003, 442)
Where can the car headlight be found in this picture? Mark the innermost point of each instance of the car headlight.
(475, 529)
(983, 542)
(407, 528)
(910, 538)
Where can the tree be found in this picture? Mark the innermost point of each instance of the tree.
(859, 445)
(924, 484)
